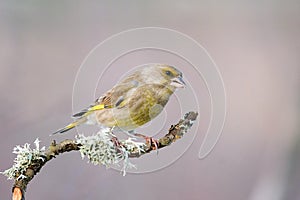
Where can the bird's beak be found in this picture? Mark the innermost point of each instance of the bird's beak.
(177, 82)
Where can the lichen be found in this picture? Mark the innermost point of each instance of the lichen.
(101, 150)
(25, 157)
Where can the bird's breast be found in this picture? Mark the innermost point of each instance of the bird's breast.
(148, 104)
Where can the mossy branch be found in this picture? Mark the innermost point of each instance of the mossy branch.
(102, 148)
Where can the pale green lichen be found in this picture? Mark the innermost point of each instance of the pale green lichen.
(128, 146)
(25, 157)
(100, 149)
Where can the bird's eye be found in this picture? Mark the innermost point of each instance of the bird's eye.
(168, 73)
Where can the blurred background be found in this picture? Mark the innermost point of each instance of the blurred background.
(256, 46)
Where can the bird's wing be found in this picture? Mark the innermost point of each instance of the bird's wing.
(116, 97)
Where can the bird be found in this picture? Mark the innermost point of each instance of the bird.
(134, 101)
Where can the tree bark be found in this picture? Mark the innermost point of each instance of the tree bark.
(175, 132)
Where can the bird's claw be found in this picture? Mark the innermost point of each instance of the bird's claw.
(116, 141)
(153, 143)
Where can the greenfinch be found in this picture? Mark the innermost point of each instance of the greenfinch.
(134, 101)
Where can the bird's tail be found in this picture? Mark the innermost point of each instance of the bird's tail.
(71, 125)
(81, 117)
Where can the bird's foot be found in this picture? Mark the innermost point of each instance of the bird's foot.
(116, 141)
(150, 141)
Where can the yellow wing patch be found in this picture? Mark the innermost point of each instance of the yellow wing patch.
(91, 109)
(97, 107)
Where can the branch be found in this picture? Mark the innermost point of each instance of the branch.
(102, 148)
(175, 132)
(53, 150)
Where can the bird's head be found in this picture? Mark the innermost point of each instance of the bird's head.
(161, 74)
(172, 76)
